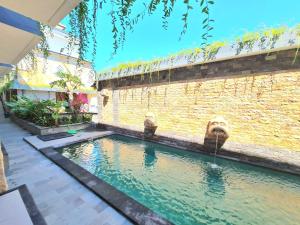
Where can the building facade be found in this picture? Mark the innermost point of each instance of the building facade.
(33, 76)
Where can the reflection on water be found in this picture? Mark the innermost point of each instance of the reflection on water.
(214, 180)
(149, 157)
(186, 187)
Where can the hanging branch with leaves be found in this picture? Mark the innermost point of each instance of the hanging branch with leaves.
(207, 22)
(83, 20)
(84, 17)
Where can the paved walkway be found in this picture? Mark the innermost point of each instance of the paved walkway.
(61, 199)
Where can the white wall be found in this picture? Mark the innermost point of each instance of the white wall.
(38, 95)
(58, 42)
(93, 103)
(46, 70)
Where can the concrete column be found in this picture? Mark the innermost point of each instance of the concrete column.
(115, 99)
(100, 107)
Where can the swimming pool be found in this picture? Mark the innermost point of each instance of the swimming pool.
(187, 188)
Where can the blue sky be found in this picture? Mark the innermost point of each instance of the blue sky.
(232, 18)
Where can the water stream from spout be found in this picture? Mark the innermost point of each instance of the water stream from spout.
(216, 148)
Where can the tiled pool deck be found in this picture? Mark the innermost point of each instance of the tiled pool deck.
(83, 135)
(61, 199)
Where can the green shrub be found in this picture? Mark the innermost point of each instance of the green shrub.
(44, 112)
(86, 118)
(76, 118)
(38, 112)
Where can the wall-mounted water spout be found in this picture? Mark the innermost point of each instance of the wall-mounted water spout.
(150, 125)
(216, 133)
(105, 95)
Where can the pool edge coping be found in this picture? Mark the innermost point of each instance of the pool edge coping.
(134, 211)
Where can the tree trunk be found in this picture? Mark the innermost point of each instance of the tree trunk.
(73, 110)
(70, 101)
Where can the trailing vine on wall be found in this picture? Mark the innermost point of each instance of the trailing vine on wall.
(212, 50)
(297, 31)
(247, 41)
(273, 34)
(43, 45)
(42, 48)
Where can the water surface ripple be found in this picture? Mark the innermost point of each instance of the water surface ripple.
(185, 188)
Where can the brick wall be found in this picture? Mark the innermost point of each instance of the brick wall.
(262, 108)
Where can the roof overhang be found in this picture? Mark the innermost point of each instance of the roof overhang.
(49, 12)
(19, 34)
(5, 68)
(20, 26)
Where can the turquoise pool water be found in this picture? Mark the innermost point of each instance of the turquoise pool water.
(185, 188)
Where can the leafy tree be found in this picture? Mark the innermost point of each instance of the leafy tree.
(43, 112)
(68, 82)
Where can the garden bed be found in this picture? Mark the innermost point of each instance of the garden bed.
(40, 130)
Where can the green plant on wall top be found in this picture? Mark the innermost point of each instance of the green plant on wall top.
(265, 39)
(297, 30)
(247, 41)
(189, 54)
(212, 50)
(273, 35)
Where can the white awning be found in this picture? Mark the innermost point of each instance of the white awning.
(20, 26)
(49, 12)
(19, 35)
(4, 69)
